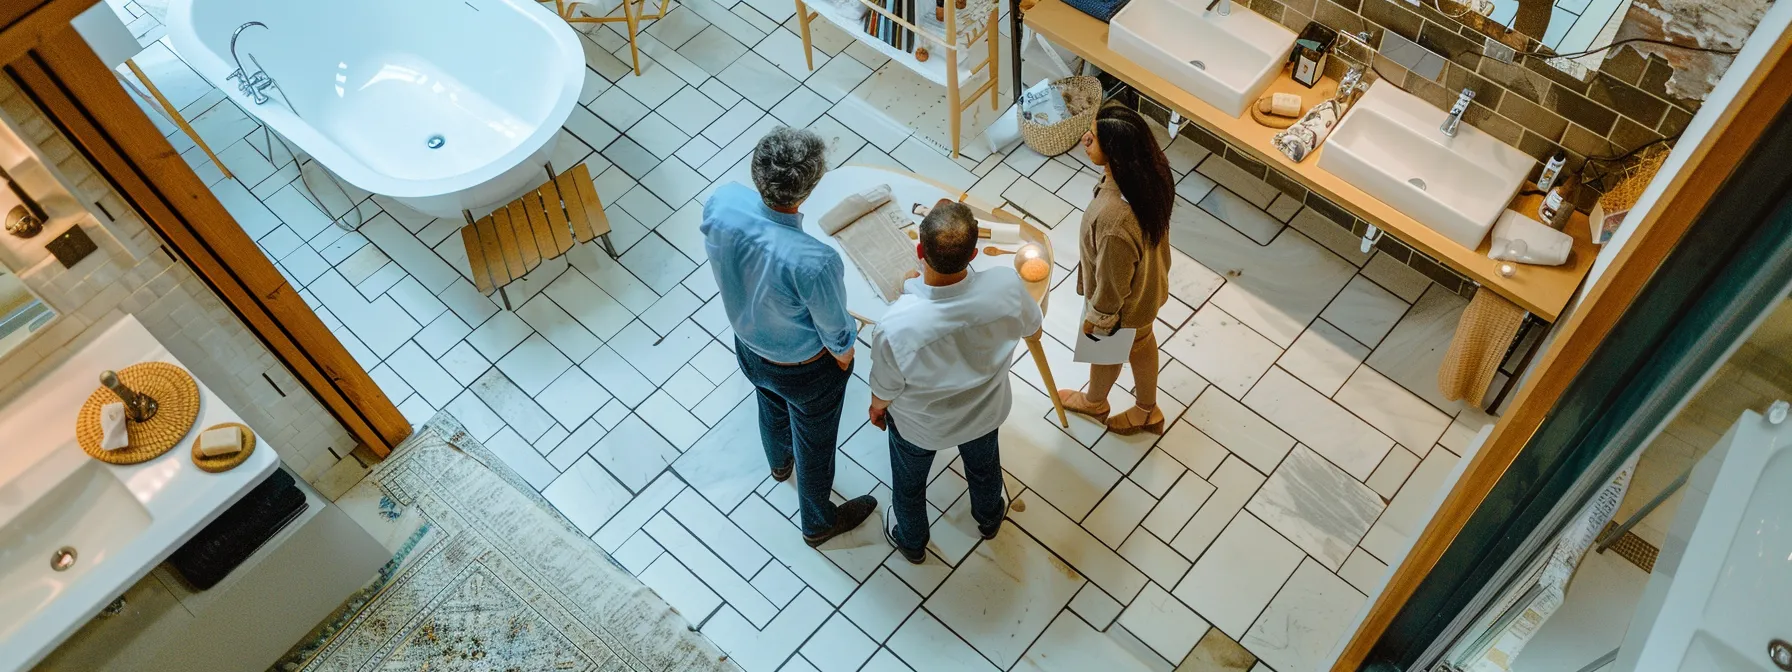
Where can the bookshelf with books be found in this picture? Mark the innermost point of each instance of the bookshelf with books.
(900, 28)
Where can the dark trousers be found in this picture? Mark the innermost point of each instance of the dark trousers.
(909, 465)
(799, 419)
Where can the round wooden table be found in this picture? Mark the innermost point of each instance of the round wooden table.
(863, 300)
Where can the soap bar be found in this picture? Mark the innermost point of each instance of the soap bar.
(113, 434)
(220, 441)
(1285, 105)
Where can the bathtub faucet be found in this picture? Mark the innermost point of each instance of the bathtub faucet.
(251, 85)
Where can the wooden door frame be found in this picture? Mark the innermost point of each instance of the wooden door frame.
(56, 69)
(1687, 193)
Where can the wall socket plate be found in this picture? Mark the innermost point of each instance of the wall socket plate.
(1498, 51)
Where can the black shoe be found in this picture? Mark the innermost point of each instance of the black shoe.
(990, 532)
(914, 556)
(783, 474)
(846, 517)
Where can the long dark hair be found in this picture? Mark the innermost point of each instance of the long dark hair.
(1138, 167)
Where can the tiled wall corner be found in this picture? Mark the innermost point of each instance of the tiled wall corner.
(131, 275)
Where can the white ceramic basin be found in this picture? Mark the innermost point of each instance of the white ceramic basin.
(85, 509)
(1389, 145)
(1225, 60)
(1717, 597)
(121, 520)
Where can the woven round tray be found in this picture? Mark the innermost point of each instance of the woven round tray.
(224, 462)
(176, 394)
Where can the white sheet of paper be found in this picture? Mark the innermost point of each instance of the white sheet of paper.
(1099, 349)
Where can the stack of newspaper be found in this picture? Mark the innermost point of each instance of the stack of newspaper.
(869, 225)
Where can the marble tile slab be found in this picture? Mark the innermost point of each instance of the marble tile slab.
(1178, 506)
(1234, 482)
(1394, 410)
(1156, 473)
(1155, 558)
(718, 533)
(511, 404)
(617, 531)
(1242, 215)
(1076, 546)
(704, 562)
(756, 650)
(881, 605)
(1070, 645)
(1276, 288)
(785, 542)
(1223, 350)
(1095, 606)
(634, 453)
(1412, 352)
(728, 462)
(1003, 595)
(1163, 623)
(925, 644)
(1412, 507)
(1302, 625)
(777, 584)
(639, 552)
(838, 646)
(587, 495)
(1218, 653)
(1364, 572)
(1239, 429)
(681, 589)
(1047, 460)
(1192, 448)
(1232, 583)
(1317, 506)
(1365, 310)
(1323, 357)
(1319, 423)
(1392, 473)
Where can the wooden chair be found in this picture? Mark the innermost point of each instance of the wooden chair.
(632, 15)
(543, 224)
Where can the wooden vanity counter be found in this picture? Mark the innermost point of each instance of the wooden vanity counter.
(1542, 290)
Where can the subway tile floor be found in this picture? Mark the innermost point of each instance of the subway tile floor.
(1308, 433)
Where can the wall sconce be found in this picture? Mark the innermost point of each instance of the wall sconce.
(25, 220)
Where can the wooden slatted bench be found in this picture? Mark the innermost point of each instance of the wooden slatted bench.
(543, 224)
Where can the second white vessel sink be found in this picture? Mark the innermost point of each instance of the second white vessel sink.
(1225, 60)
(1389, 145)
(79, 516)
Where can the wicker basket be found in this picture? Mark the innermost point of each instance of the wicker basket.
(1060, 137)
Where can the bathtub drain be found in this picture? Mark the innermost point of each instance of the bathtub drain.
(436, 141)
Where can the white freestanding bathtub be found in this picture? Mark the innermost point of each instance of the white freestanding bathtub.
(442, 104)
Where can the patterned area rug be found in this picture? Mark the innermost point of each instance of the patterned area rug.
(494, 579)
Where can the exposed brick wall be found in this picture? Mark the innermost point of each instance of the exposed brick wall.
(131, 274)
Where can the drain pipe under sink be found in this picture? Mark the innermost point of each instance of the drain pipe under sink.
(1370, 237)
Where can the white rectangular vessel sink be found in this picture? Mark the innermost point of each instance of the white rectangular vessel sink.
(84, 510)
(1225, 60)
(1389, 146)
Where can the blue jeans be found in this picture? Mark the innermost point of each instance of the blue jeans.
(909, 465)
(799, 419)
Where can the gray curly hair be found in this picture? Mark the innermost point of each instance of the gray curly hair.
(787, 164)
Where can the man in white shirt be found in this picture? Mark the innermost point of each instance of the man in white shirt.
(939, 374)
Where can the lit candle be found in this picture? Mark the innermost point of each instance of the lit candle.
(1031, 263)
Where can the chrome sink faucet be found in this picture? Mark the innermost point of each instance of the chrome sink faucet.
(251, 85)
(1456, 111)
(1350, 86)
(1224, 5)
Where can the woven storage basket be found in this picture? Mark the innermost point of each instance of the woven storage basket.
(1058, 138)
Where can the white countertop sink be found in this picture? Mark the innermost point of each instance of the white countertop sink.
(1225, 60)
(1389, 146)
(120, 521)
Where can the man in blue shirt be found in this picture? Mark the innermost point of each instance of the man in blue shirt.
(785, 294)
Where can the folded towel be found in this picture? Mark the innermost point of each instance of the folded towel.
(1528, 241)
(1488, 325)
(1304, 136)
(113, 434)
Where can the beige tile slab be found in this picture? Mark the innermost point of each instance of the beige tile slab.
(1232, 583)
(1412, 352)
(1365, 310)
(1223, 350)
(1076, 546)
(1003, 595)
(1234, 483)
(1239, 429)
(1317, 506)
(1302, 626)
(1163, 623)
(1393, 409)
(1323, 357)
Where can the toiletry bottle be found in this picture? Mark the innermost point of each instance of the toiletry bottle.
(1558, 206)
(1551, 171)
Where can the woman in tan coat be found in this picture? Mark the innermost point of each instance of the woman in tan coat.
(1124, 279)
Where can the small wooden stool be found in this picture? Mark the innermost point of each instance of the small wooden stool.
(543, 224)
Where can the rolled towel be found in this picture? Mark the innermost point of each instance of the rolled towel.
(853, 207)
(1528, 241)
(113, 434)
(1299, 140)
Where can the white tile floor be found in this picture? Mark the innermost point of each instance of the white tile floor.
(1270, 506)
